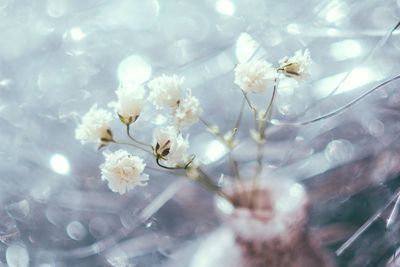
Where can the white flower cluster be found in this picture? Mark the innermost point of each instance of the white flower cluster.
(130, 103)
(254, 76)
(95, 126)
(257, 76)
(123, 171)
(296, 66)
(166, 92)
(170, 146)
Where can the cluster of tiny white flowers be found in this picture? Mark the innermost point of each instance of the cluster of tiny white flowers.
(296, 66)
(170, 145)
(130, 103)
(256, 76)
(165, 91)
(123, 171)
(95, 126)
(188, 111)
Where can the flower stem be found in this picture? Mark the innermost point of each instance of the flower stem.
(260, 145)
(253, 109)
(202, 178)
(130, 144)
(228, 145)
(133, 139)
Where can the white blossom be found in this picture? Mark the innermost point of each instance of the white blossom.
(188, 111)
(123, 171)
(170, 145)
(130, 102)
(165, 91)
(254, 76)
(95, 126)
(296, 66)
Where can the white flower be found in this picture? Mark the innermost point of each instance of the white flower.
(123, 171)
(170, 146)
(188, 111)
(254, 76)
(165, 91)
(130, 103)
(296, 66)
(95, 126)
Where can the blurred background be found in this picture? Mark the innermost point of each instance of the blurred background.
(59, 57)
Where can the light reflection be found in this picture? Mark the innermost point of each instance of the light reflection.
(134, 69)
(357, 78)
(225, 7)
(335, 11)
(214, 151)
(246, 46)
(60, 164)
(293, 28)
(77, 34)
(346, 49)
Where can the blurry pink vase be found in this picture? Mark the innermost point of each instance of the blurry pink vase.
(264, 227)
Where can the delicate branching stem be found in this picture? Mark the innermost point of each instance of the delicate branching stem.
(268, 111)
(134, 139)
(339, 110)
(165, 167)
(229, 145)
(208, 183)
(130, 144)
(238, 120)
(260, 144)
(262, 126)
(252, 108)
(216, 134)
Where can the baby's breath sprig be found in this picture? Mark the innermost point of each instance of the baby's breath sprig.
(169, 148)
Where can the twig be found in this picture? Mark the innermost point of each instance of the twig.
(339, 110)
(380, 44)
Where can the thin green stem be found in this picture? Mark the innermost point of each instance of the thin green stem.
(228, 145)
(130, 144)
(239, 119)
(260, 145)
(252, 108)
(217, 135)
(134, 139)
(209, 184)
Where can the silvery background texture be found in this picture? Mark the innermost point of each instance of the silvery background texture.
(59, 57)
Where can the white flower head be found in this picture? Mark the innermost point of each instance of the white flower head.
(296, 66)
(95, 126)
(188, 111)
(129, 104)
(254, 76)
(123, 171)
(165, 91)
(170, 146)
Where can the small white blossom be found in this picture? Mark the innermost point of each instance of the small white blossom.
(165, 91)
(123, 171)
(188, 111)
(129, 104)
(95, 126)
(170, 146)
(254, 76)
(296, 66)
